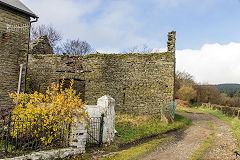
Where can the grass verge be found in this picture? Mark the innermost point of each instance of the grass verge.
(204, 145)
(134, 153)
(132, 128)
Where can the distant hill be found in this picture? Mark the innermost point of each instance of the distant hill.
(231, 89)
(227, 86)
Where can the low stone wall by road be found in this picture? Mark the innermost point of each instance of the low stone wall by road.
(49, 155)
(228, 111)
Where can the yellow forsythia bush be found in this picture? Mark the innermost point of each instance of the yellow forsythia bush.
(57, 108)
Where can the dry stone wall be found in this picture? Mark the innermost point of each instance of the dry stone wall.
(228, 111)
(139, 83)
(13, 51)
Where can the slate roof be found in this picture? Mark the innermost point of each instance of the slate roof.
(19, 6)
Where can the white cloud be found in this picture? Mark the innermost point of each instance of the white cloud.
(213, 63)
(104, 24)
(108, 50)
(159, 50)
(61, 12)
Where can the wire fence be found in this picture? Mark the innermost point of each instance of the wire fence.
(168, 110)
(20, 133)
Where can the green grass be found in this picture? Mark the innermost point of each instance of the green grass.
(204, 145)
(189, 109)
(135, 153)
(132, 128)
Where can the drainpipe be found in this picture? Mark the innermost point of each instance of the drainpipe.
(26, 69)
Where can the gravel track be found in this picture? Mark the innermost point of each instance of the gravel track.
(181, 145)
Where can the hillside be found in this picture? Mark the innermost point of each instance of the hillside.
(231, 89)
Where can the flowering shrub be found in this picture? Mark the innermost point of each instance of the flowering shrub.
(54, 110)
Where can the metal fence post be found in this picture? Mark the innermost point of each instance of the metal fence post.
(101, 131)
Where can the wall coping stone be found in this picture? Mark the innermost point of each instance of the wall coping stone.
(49, 155)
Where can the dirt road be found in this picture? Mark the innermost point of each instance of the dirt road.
(206, 130)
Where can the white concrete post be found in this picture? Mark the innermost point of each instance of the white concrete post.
(106, 106)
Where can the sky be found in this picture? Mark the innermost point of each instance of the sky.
(207, 31)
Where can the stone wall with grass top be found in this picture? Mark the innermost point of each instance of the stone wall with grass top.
(139, 83)
(226, 110)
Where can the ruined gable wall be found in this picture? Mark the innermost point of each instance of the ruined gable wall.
(41, 46)
(13, 51)
(138, 83)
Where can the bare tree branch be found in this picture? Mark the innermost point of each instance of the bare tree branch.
(144, 49)
(76, 47)
(53, 35)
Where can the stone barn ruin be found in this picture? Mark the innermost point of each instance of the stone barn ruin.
(139, 83)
